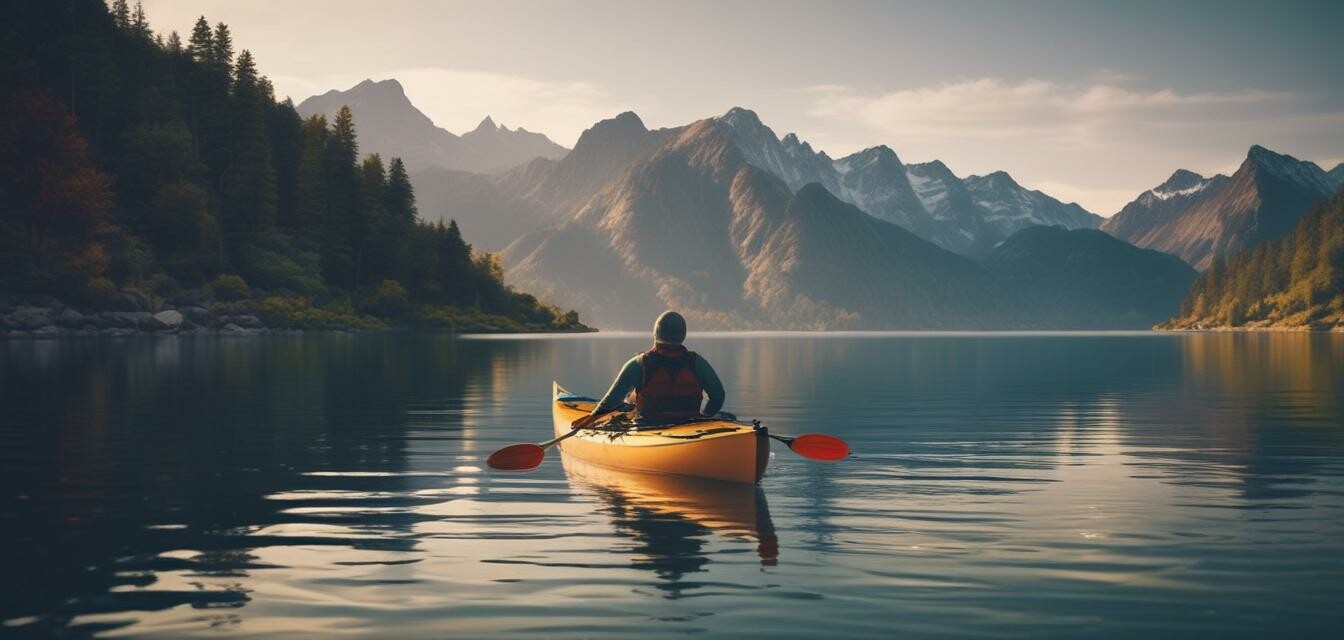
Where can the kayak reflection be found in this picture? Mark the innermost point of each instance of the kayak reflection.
(670, 518)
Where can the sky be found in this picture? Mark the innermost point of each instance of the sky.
(1089, 101)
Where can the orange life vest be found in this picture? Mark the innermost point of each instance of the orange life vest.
(670, 389)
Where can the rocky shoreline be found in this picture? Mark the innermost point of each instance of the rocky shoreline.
(40, 317)
(53, 319)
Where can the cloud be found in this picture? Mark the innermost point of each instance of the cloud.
(458, 99)
(993, 109)
(1100, 142)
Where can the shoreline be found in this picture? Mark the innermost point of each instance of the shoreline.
(49, 318)
(1265, 329)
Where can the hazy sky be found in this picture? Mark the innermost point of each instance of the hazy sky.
(1089, 101)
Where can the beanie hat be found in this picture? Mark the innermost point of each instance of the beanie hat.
(669, 328)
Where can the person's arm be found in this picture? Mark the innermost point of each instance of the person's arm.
(713, 386)
(629, 379)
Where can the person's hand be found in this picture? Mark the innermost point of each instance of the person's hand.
(585, 421)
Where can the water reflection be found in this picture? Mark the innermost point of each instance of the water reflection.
(1004, 485)
(668, 519)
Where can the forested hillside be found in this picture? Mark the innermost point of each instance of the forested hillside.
(140, 171)
(1296, 281)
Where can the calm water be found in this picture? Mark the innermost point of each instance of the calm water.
(1003, 485)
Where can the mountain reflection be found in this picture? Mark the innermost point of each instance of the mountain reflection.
(669, 519)
(293, 485)
(124, 451)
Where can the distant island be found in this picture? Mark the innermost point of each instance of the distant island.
(152, 184)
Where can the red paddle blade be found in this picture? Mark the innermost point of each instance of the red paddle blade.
(518, 457)
(819, 446)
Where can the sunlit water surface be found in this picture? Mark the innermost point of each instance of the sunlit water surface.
(1002, 485)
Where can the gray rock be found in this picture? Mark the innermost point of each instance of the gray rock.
(49, 331)
(71, 318)
(231, 328)
(198, 315)
(170, 319)
(123, 319)
(246, 322)
(28, 318)
(118, 332)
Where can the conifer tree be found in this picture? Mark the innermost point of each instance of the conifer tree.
(310, 193)
(121, 14)
(249, 186)
(342, 200)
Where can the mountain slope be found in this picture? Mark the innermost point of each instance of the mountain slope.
(1087, 279)
(1013, 207)
(694, 226)
(494, 210)
(1262, 200)
(390, 125)
(488, 216)
(1162, 202)
(926, 199)
(1296, 281)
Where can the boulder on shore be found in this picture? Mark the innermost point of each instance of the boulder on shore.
(28, 318)
(71, 318)
(245, 321)
(169, 319)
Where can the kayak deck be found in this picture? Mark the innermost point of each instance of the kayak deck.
(714, 449)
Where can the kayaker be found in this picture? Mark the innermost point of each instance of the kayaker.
(669, 381)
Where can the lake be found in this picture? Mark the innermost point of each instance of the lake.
(1002, 485)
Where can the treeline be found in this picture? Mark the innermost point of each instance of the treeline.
(134, 165)
(1295, 281)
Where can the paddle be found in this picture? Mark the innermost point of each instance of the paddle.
(527, 456)
(815, 446)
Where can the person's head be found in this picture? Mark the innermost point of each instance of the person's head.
(669, 328)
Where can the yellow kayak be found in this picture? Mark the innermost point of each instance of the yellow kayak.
(713, 449)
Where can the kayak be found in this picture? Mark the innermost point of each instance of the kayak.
(701, 448)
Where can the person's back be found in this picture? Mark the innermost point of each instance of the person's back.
(669, 381)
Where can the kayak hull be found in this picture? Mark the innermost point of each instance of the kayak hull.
(712, 449)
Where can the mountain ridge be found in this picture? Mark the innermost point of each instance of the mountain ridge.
(389, 124)
(1222, 215)
(878, 182)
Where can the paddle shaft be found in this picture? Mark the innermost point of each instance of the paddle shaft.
(552, 442)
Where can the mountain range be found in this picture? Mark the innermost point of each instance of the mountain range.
(642, 220)
(742, 229)
(390, 125)
(1200, 219)
(967, 216)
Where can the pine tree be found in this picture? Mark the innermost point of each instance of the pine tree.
(342, 200)
(370, 232)
(310, 193)
(286, 131)
(401, 217)
(249, 191)
(139, 23)
(202, 43)
(121, 14)
(221, 55)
